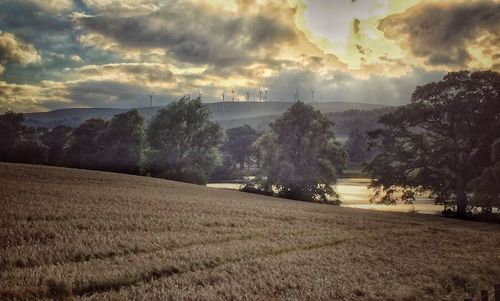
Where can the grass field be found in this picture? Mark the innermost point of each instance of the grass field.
(101, 236)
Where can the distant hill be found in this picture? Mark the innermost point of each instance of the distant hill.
(245, 110)
(345, 121)
(229, 114)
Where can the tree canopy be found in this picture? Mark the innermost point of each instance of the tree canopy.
(183, 142)
(11, 130)
(239, 144)
(123, 143)
(357, 146)
(84, 146)
(300, 156)
(114, 145)
(440, 141)
(55, 140)
(486, 187)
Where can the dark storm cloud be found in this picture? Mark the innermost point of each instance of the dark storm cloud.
(441, 33)
(47, 26)
(29, 21)
(136, 73)
(193, 34)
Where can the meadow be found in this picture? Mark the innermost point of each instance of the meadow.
(87, 235)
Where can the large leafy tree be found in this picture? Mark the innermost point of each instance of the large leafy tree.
(486, 187)
(183, 142)
(440, 141)
(11, 130)
(18, 143)
(31, 151)
(239, 144)
(85, 145)
(123, 143)
(114, 145)
(300, 156)
(357, 146)
(55, 140)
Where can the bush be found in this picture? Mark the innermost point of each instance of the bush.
(257, 189)
(30, 151)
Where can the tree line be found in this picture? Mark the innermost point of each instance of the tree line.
(180, 143)
(445, 143)
(299, 157)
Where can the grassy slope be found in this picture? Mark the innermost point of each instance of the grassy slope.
(101, 236)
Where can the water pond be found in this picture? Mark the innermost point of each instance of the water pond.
(354, 193)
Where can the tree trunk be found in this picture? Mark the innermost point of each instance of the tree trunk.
(461, 197)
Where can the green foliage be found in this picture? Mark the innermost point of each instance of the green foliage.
(357, 146)
(55, 140)
(30, 151)
(440, 141)
(486, 187)
(85, 145)
(123, 143)
(183, 142)
(111, 146)
(239, 144)
(11, 129)
(300, 156)
(238, 149)
(19, 143)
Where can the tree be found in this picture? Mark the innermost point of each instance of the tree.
(11, 130)
(85, 145)
(123, 142)
(30, 151)
(300, 156)
(486, 188)
(440, 141)
(114, 145)
(357, 146)
(55, 140)
(183, 142)
(239, 144)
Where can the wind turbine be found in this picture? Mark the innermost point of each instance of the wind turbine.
(265, 94)
(233, 94)
(312, 95)
(260, 94)
(199, 93)
(223, 95)
(150, 99)
(248, 96)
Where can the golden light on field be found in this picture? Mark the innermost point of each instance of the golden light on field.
(106, 236)
(355, 193)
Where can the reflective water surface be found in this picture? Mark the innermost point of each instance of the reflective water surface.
(354, 193)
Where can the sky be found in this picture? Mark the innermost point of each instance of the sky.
(112, 53)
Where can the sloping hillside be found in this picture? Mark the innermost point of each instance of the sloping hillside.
(220, 112)
(103, 236)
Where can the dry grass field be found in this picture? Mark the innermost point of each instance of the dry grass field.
(76, 234)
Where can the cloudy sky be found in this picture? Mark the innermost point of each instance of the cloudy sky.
(111, 53)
